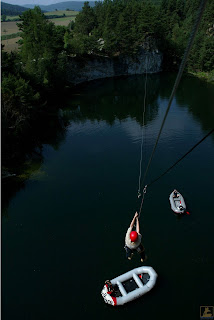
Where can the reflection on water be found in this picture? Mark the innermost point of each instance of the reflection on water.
(50, 131)
(118, 99)
(119, 102)
(123, 99)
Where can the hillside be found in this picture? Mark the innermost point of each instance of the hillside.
(11, 10)
(71, 5)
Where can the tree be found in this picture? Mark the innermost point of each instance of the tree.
(85, 21)
(18, 99)
(67, 38)
(71, 25)
(42, 42)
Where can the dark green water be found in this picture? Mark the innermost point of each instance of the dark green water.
(63, 234)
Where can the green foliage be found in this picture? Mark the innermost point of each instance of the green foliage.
(11, 10)
(39, 66)
(42, 43)
(18, 97)
(66, 39)
(71, 25)
(124, 25)
(54, 16)
(180, 17)
(10, 63)
(83, 44)
(111, 27)
(11, 36)
(85, 20)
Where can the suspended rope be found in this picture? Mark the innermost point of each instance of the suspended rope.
(177, 81)
(181, 158)
(142, 134)
(144, 192)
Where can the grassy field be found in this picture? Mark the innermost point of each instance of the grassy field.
(11, 36)
(11, 44)
(62, 21)
(58, 13)
(12, 17)
(62, 12)
(10, 27)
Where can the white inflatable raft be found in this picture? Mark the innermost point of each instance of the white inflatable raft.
(177, 203)
(130, 286)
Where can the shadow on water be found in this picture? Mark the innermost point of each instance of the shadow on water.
(51, 131)
(193, 93)
(200, 106)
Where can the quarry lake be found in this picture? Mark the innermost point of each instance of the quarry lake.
(63, 231)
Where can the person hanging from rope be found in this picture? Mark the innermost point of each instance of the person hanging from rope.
(133, 240)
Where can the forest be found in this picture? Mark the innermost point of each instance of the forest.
(125, 25)
(11, 10)
(34, 77)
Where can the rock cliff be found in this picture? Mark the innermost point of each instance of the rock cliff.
(97, 66)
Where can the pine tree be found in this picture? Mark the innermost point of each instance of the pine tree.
(85, 21)
(42, 42)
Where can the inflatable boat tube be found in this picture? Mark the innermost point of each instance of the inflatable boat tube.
(177, 204)
(130, 286)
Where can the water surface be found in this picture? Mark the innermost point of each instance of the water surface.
(63, 234)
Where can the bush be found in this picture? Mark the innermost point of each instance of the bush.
(18, 99)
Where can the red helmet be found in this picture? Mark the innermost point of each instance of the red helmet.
(133, 236)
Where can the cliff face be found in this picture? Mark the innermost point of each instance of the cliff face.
(97, 67)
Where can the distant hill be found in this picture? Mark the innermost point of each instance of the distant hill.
(71, 5)
(11, 10)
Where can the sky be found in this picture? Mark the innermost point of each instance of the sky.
(35, 2)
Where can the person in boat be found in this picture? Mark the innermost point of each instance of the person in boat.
(109, 294)
(175, 194)
(133, 240)
(109, 287)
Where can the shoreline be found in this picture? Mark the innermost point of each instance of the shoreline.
(207, 76)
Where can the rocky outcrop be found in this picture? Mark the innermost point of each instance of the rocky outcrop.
(97, 66)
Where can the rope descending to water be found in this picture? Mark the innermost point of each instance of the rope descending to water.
(142, 135)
